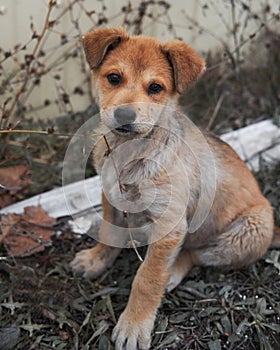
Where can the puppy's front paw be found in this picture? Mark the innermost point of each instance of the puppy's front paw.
(132, 335)
(89, 263)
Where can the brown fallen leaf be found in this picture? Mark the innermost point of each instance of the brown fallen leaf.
(14, 181)
(63, 335)
(28, 233)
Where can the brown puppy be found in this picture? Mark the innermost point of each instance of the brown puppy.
(196, 201)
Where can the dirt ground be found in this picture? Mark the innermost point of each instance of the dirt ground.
(43, 306)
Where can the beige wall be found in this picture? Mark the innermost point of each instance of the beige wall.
(15, 28)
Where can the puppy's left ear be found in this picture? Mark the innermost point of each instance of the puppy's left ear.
(186, 63)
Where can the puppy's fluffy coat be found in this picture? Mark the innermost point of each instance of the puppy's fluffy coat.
(238, 227)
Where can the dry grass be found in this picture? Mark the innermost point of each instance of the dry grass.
(211, 310)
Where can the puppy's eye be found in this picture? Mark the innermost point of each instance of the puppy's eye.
(114, 79)
(154, 88)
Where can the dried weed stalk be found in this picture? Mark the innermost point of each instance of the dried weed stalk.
(27, 66)
(132, 243)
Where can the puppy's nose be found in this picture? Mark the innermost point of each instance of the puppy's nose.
(125, 115)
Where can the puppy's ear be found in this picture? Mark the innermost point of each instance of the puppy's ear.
(186, 63)
(98, 42)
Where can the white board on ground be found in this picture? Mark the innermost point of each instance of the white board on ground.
(248, 142)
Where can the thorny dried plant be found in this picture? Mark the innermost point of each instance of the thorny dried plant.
(241, 85)
(25, 68)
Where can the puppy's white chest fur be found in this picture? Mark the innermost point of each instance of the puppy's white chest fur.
(130, 188)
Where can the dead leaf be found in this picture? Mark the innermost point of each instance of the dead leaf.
(28, 233)
(14, 181)
(63, 335)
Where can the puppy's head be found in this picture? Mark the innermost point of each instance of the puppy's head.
(134, 75)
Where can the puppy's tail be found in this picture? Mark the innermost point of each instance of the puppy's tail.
(276, 238)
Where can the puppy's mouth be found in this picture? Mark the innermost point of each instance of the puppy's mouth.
(126, 130)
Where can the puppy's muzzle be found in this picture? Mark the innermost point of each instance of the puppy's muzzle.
(125, 117)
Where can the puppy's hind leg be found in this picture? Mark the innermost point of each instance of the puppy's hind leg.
(245, 240)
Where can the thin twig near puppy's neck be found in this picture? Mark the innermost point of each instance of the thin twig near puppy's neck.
(125, 212)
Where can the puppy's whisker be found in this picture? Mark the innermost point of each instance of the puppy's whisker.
(108, 147)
